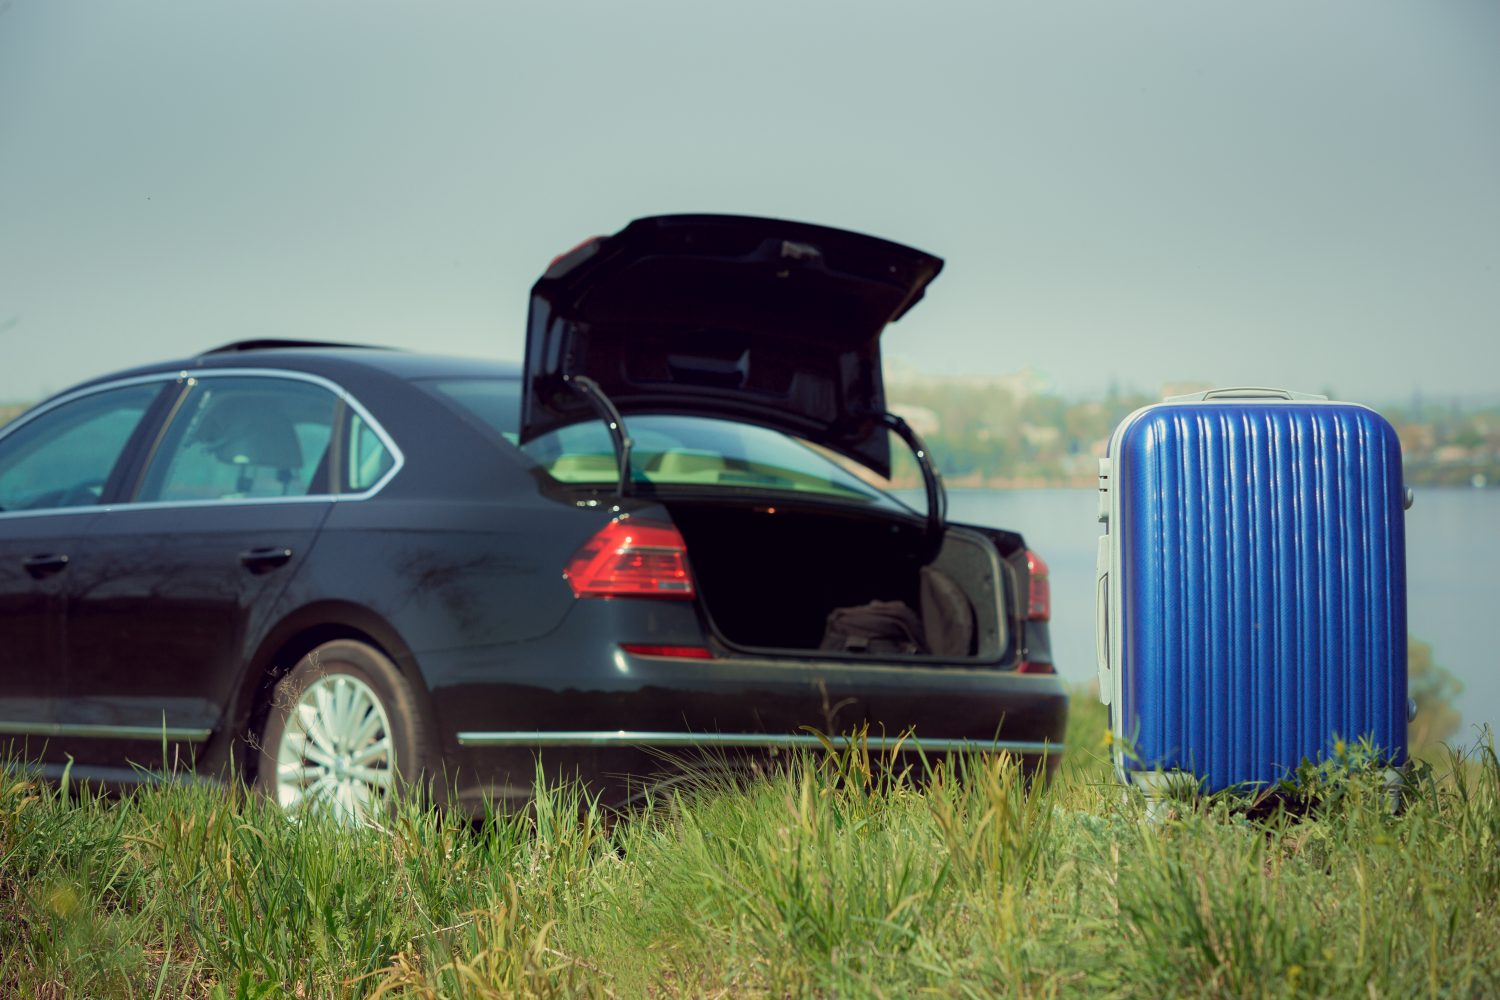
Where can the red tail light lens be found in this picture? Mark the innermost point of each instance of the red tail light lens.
(631, 558)
(1027, 667)
(1039, 599)
(675, 652)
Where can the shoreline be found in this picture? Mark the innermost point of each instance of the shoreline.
(975, 481)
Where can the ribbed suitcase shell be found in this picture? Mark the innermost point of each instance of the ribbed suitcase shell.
(1262, 586)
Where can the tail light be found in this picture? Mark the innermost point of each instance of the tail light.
(1039, 596)
(1038, 607)
(631, 558)
(673, 652)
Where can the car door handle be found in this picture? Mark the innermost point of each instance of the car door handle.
(44, 566)
(265, 558)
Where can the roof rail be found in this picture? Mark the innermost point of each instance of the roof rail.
(274, 344)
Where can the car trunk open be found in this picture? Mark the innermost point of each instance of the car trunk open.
(777, 324)
(764, 321)
(769, 575)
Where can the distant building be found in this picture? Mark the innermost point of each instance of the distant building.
(1185, 388)
(1041, 437)
(921, 419)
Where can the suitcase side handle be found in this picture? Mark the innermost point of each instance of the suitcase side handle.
(1246, 392)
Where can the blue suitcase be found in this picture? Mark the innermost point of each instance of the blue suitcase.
(1251, 587)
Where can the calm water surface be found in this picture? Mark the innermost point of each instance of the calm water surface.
(1453, 562)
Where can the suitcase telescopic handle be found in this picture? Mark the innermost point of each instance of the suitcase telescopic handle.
(1246, 392)
(1101, 620)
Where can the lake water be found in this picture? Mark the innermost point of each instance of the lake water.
(1452, 555)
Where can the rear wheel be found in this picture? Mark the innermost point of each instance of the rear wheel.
(344, 735)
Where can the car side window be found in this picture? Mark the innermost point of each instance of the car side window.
(62, 458)
(239, 438)
(368, 457)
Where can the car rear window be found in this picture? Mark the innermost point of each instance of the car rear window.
(694, 451)
(668, 450)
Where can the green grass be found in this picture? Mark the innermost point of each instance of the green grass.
(833, 878)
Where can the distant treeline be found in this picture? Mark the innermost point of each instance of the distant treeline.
(996, 432)
(990, 433)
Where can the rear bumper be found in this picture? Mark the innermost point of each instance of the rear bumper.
(762, 741)
(611, 717)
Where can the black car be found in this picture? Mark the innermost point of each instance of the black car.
(327, 567)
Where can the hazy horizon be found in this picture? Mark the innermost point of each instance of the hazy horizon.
(1044, 380)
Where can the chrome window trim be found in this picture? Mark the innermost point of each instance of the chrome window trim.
(649, 738)
(176, 734)
(55, 511)
(188, 378)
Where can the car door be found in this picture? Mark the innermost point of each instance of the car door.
(56, 464)
(170, 593)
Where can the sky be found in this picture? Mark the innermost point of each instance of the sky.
(1130, 194)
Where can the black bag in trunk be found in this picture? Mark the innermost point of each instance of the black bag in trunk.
(877, 627)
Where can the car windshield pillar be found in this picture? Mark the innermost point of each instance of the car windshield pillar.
(589, 389)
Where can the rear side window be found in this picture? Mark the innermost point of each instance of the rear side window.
(63, 457)
(236, 438)
(367, 457)
(494, 402)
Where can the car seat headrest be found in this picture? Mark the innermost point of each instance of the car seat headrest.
(240, 432)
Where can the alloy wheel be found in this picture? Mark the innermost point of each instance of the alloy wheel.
(336, 751)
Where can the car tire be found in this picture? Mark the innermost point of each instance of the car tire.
(345, 733)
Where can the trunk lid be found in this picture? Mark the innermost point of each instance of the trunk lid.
(758, 320)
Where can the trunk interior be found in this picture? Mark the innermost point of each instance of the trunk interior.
(770, 575)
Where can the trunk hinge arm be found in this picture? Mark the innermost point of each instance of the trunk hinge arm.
(589, 390)
(937, 497)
